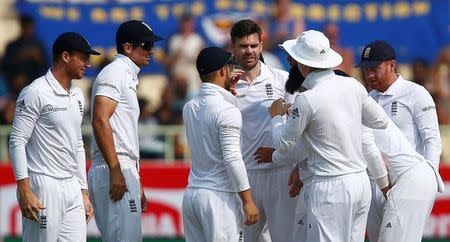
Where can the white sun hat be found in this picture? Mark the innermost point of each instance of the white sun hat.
(312, 48)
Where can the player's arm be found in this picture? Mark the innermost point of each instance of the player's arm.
(25, 118)
(285, 136)
(230, 123)
(373, 115)
(81, 171)
(81, 176)
(425, 117)
(375, 163)
(103, 109)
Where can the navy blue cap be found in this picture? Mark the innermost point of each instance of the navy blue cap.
(212, 59)
(135, 31)
(72, 41)
(375, 53)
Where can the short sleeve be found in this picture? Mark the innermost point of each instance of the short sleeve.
(108, 85)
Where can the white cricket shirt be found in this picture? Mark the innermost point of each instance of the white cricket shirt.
(118, 81)
(398, 154)
(46, 132)
(329, 116)
(253, 100)
(213, 125)
(412, 109)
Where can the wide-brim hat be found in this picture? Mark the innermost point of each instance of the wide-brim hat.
(312, 48)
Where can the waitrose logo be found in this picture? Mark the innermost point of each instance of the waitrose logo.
(49, 108)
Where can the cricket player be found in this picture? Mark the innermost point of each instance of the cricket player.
(114, 182)
(337, 199)
(46, 147)
(256, 89)
(413, 186)
(298, 154)
(211, 208)
(410, 107)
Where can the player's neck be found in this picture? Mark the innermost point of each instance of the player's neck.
(61, 76)
(252, 74)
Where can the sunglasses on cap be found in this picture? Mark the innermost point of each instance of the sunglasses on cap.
(145, 45)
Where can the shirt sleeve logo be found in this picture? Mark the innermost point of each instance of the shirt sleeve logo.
(231, 127)
(21, 105)
(424, 109)
(108, 85)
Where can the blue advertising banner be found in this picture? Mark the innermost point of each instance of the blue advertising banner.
(414, 28)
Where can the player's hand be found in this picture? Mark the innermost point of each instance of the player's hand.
(385, 191)
(294, 183)
(117, 183)
(143, 200)
(251, 213)
(88, 210)
(264, 154)
(278, 107)
(29, 204)
(235, 75)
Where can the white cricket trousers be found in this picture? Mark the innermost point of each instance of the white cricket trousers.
(276, 209)
(212, 216)
(63, 218)
(333, 210)
(117, 221)
(408, 206)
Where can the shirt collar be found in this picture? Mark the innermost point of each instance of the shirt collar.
(211, 89)
(130, 66)
(56, 86)
(395, 88)
(313, 78)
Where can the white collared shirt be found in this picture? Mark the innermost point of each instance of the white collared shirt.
(253, 100)
(213, 125)
(329, 115)
(119, 81)
(46, 132)
(412, 109)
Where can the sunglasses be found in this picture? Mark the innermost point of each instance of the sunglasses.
(145, 45)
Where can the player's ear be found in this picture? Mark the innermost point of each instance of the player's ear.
(127, 48)
(392, 65)
(65, 56)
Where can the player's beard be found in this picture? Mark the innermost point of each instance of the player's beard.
(248, 66)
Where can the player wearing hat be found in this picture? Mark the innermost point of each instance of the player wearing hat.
(337, 199)
(46, 147)
(211, 208)
(412, 109)
(114, 182)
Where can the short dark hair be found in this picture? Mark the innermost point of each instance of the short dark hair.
(244, 28)
(120, 49)
(26, 20)
(209, 76)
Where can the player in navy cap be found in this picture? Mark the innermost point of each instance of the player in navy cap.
(211, 209)
(114, 182)
(46, 147)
